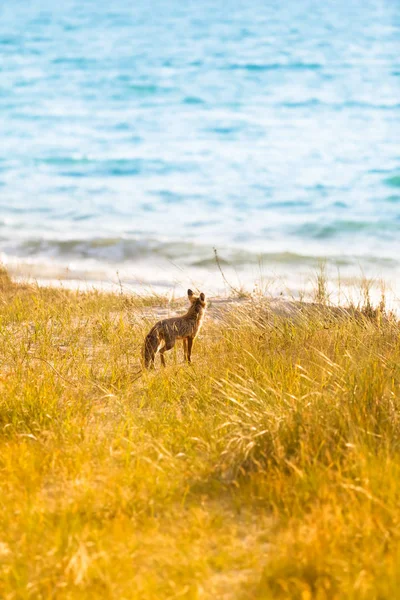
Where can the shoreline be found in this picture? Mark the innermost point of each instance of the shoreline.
(155, 305)
(320, 285)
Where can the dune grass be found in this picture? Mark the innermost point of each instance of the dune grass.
(268, 469)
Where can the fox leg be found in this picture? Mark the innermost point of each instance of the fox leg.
(189, 349)
(168, 345)
(185, 348)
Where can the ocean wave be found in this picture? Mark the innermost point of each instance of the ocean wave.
(275, 66)
(114, 251)
(393, 181)
(339, 106)
(86, 166)
(195, 100)
(344, 228)
(108, 249)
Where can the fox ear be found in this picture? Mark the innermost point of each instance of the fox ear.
(190, 295)
(202, 297)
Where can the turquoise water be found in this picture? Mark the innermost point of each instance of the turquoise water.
(137, 136)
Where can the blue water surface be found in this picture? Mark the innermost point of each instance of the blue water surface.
(141, 131)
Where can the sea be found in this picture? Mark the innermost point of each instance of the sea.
(164, 144)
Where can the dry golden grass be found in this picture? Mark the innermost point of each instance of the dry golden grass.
(268, 469)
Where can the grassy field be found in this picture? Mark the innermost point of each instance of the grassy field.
(268, 469)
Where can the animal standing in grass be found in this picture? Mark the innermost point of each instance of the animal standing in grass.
(163, 335)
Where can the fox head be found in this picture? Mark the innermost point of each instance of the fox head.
(197, 302)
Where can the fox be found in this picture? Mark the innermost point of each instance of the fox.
(163, 335)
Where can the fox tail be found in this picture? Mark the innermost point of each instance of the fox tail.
(150, 349)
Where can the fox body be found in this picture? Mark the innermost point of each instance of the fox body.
(163, 335)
